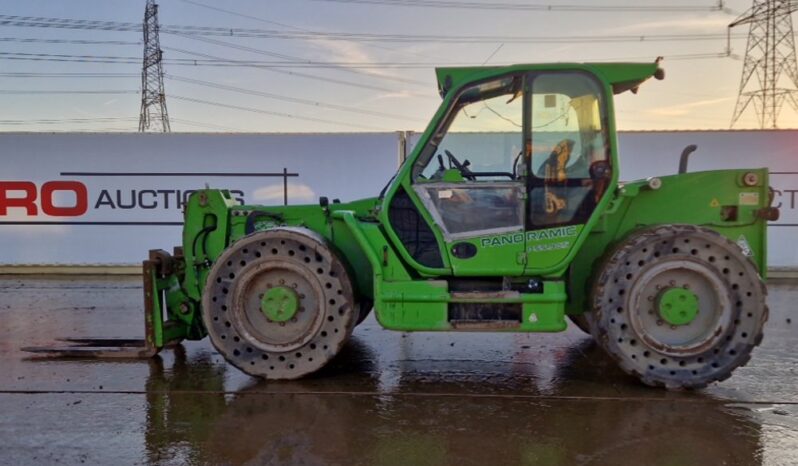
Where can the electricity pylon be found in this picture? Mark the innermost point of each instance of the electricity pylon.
(770, 56)
(154, 116)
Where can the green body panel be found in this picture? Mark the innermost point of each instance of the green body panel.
(206, 233)
(560, 260)
(496, 255)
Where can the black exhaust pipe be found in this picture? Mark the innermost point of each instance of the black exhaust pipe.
(686, 155)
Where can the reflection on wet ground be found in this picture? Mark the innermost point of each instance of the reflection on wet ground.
(389, 398)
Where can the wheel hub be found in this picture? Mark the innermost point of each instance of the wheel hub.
(275, 305)
(674, 326)
(678, 306)
(279, 304)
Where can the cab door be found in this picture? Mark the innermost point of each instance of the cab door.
(471, 179)
(569, 170)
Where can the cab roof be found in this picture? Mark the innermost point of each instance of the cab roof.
(621, 76)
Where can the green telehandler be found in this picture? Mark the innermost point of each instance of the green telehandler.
(507, 216)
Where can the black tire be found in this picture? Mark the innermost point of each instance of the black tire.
(581, 321)
(364, 309)
(628, 320)
(300, 263)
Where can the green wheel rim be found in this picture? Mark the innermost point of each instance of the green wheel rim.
(279, 304)
(678, 306)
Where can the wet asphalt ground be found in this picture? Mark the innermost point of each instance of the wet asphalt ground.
(389, 399)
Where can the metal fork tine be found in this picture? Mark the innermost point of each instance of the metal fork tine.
(99, 341)
(85, 351)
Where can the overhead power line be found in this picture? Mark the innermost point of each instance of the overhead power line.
(297, 59)
(351, 36)
(186, 99)
(274, 65)
(240, 15)
(82, 121)
(66, 91)
(67, 23)
(289, 26)
(220, 62)
(92, 130)
(327, 80)
(62, 57)
(273, 113)
(517, 6)
(475, 39)
(296, 100)
(55, 121)
(37, 74)
(674, 57)
(67, 41)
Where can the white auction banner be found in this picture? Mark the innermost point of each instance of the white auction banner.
(108, 198)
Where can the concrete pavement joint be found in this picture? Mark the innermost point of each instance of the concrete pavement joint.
(401, 394)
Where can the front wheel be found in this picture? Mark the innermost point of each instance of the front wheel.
(279, 304)
(678, 306)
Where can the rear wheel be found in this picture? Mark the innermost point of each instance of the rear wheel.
(279, 304)
(678, 306)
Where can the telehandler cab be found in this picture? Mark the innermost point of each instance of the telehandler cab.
(507, 216)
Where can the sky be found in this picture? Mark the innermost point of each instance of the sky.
(293, 93)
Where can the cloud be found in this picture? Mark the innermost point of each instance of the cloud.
(349, 52)
(296, 192)
(686, 109)
(400, 95)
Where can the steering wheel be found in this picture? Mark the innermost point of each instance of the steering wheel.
(440, 170)
(461, 167)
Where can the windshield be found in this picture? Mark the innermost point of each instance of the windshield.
(483, 133)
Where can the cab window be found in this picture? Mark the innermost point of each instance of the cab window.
(570, 154)
(470, 174)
